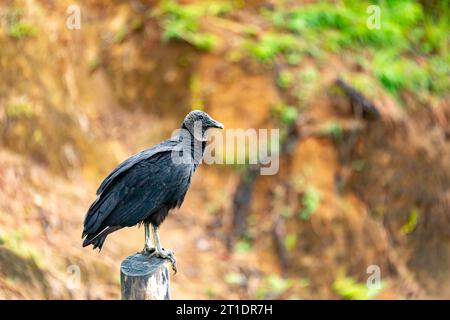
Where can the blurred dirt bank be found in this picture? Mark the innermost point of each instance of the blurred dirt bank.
(351, 192)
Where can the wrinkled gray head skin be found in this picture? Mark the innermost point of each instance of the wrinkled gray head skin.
(198, 122)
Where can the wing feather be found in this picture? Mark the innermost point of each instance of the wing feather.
(148, 196)
(168, 145)
(118, 184)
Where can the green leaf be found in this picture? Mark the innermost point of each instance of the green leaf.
(234, 278)
(243, 246)
(310, 203)
(350, 289)
(411, 224)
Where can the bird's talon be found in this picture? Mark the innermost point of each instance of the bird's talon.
(168, 255)
(173, 261)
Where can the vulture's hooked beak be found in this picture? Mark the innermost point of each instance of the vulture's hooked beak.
(216, 124)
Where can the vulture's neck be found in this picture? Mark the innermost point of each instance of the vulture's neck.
(196, 147)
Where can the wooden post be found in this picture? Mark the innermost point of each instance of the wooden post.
(144, 277)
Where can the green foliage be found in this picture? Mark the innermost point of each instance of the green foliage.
(210, 292)
(94, 63)
(19, 110)
(318, 16)
(310, 203)
(350, 289)
(308, 75)
(285, 79)
(406, 31)
(290, 241)
(266, 48)
(411, 224)
(435, 35)
(17, 27)
(293, 57)
(322, 27)
(121, 34)
(234, 278)
(396, 73)
(278, 284)
(182, 22)
(366, 83)
(286, 114)
(15, 242)
(306, 85)
(350, 20)
(273, 287)
(21, 30)
(439, 71)
(243, 246)
(205, 41)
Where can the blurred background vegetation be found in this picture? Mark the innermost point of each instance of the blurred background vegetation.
(364, 176)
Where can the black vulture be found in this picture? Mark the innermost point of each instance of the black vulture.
(147, 185)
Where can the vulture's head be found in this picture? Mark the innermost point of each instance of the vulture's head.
(198, 122)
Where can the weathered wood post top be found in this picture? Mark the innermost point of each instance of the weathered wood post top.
(144, 277)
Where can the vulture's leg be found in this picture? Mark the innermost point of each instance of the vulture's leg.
(161, 252)
(148, 246)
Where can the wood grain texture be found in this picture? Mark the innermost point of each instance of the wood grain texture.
(144, 277)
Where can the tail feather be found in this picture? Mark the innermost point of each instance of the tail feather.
(98, 239)
(99, 210)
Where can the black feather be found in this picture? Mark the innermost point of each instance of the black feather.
(146, 186)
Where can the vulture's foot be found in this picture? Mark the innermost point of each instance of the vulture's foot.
(168, 255)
